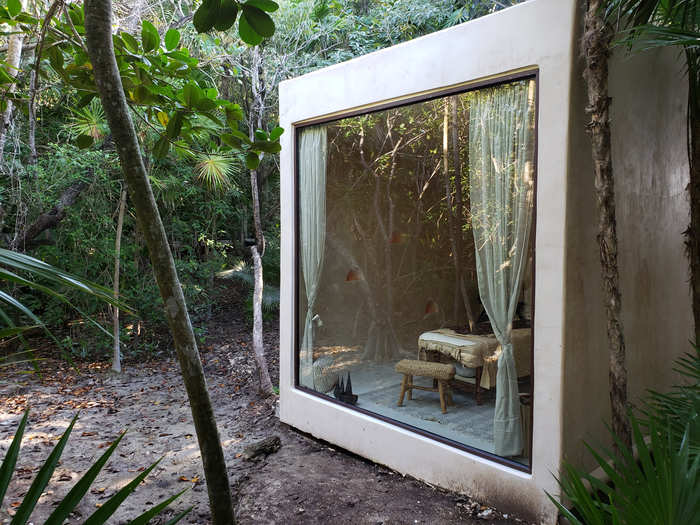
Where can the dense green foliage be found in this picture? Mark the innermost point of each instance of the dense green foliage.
(203, 123)
(658, 480)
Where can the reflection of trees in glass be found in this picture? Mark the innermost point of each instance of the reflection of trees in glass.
(394, 224)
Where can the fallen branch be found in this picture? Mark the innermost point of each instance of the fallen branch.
(49, 219)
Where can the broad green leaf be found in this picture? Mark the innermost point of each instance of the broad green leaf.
(247, 33)
(8, 464)
(142, 95)
(234, 114)
(84, 141)
(267, 147)
(14, 7)
(41, 479)
(205, 104)
(77, 15)
(174, 125)
(24, 18)
(230, 140)
(227, 15)
(265, 5)
(276, 133)
(241, 136)
(191, 94)
(149, 37)
(172, 39)
(259, 20)
(252, 160)
(161, 148)
(131, 43)
(260, 134)
(71, 500)
(206, 16)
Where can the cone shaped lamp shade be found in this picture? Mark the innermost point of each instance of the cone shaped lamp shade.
(353, 275)
(431, 307)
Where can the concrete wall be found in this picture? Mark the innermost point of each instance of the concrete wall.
(651, 171)
(538, 34)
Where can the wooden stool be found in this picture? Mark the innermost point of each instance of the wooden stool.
(442, 373)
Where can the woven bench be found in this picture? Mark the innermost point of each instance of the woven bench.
(442, 373)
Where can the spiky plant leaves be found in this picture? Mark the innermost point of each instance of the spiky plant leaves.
(8, 464)
(42, 479)
(657, 480)
(215, 171)
(76, 494)
(79, 490)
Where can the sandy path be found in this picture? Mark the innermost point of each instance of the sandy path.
(304, 482)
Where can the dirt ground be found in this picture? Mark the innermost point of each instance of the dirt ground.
(305, 481)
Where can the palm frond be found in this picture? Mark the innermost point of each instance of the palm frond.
(216, 171)
(89, 120)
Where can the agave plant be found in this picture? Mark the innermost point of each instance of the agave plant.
(76, 494)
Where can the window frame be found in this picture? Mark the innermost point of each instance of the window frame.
(529, 74)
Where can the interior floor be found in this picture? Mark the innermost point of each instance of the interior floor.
(378, 387)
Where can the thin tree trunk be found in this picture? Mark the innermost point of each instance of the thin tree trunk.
(258, 348)
(12, 61)
(258, 250)
(98, 26)
(459, 213)
(596, 44)
(116, 361)
(693, 232)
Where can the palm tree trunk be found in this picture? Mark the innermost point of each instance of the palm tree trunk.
(692, 234)
(98, 27)
(596, 44)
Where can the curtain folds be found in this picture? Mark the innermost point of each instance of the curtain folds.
(501, 153)
(312, 233)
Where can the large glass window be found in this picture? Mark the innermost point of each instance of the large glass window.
(415, 264)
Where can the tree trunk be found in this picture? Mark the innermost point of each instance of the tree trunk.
(258, 348)
(12, 61)
(454, 206)
(98, 26)
(116, 361)
(596, 43)
(693, 232)
(255, 121)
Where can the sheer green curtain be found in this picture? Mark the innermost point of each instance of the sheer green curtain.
(501, 153)
(312, 232)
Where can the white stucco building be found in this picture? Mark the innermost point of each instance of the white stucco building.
(470, 143)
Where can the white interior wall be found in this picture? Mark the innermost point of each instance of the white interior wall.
(536, 34)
